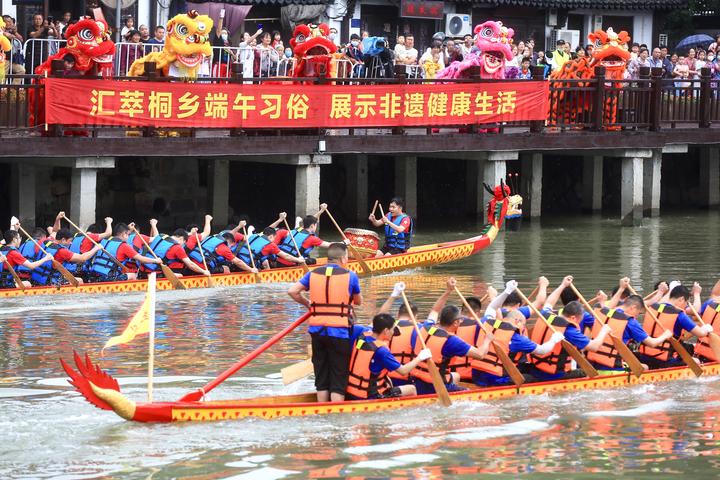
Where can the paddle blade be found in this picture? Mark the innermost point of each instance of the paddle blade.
(685, 356)
(628, 356)
(358, 256)
(64, 272)
(170, 275)
(194, 396)
(580, 359)
(258, 279)
(296, 372)
(510, 367)
(438, 383)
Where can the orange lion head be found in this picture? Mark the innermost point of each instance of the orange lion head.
(610, 49)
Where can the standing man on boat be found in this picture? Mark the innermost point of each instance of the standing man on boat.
(398, 228)
(333, 293)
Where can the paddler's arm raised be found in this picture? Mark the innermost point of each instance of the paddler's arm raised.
(715, 292)
(442, 300)
(541, 296)
(553, 298)
(696, 300)
(397, 291)
(281, 218)
(206, 228)
(153, 228)
(57, 225)
(622, 286)
(108, 229)
(661, 291)
(239, 226)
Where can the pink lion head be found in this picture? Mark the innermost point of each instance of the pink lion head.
(493, 39)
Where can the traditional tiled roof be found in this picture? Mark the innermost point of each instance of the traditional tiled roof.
(589, 4)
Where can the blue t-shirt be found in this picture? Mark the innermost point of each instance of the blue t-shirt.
(574, 336)
(354, 289)
(383, 360)
(454, 347)
(634, 331)
(524, 310)
(521, 344)
(587, 321)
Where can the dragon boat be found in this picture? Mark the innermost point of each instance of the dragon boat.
(419, 256)
(103, 391)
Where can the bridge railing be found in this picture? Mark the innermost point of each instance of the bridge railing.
(650, 102)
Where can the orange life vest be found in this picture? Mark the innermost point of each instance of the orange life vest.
(466, 332)
(711, 316)
(435, 339)
(557, 360)
(502, 333)
(362, 383)
(606, 355)
(666, 315)
(400, 346)
(330, 298)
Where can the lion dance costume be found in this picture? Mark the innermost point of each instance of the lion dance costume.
(493, 40)
(187, 44)
(313, 51)
(89, 42)
(610, 51)
(5, 46)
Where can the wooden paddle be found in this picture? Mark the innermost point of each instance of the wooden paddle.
(56, 265)
(117, 262)
(437, 380)
(682, 352)
(252, 260)
(713, 339)
(351, 247)
(18, 281)
(508, 364)
(627, 355)
(532, 294)
(571, 350)
(210, 281)
(197, 395)
(169, 274)
(298, 371)
(297, 249)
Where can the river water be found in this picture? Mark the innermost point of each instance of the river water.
(48, 431)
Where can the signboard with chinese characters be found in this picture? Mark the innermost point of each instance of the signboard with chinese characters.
(161, 104)
(421, 9)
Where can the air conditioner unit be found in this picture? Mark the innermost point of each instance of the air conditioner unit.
(458, 25)
(570, 36)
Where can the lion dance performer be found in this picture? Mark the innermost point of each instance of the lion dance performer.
(493, 40)
(5, 46)
(187, 44)
(89, 43)
(313, 50)
(610, 51)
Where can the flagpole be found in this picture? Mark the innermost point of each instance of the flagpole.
(151, 346)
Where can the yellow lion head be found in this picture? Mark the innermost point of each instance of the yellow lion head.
(188, 38)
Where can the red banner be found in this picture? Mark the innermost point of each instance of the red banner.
(161, 104)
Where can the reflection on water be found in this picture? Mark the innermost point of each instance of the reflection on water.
(50, 431)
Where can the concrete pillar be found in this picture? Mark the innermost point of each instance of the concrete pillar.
(592, 183)
(532, 183)
(83, 193)
(219, 191)
(710, 176)
(651, 184)
(22, 201)
(307, 189)
(493, 172)
(631, 196)
(356, 187)
(406, 182)
(83, 188)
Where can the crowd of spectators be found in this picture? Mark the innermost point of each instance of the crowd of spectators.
(264, 53)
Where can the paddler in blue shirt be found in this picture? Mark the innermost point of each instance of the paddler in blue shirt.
(671, 317)
(371, 362)
(333, 293)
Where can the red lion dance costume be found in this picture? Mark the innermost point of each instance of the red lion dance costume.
(313, 51)
(611, 52)
(88, 41)
(493, 39)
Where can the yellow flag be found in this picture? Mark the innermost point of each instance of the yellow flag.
(139, 324)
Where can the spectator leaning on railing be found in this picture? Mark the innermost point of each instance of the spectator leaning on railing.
(37, 49)
(158, 39)
(131, 51)
(637, 63)
(15, 64)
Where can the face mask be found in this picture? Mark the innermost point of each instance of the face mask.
(355, 43)
(710, 58)
(331, 36)
(224, 37)
(288, 53)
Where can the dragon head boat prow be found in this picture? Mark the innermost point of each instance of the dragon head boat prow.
(98, 387)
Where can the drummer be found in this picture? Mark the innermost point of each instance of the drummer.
(398, 228)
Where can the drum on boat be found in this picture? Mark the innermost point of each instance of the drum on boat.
(366, 241)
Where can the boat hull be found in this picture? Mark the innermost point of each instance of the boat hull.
(288, 406)
(421, 256)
